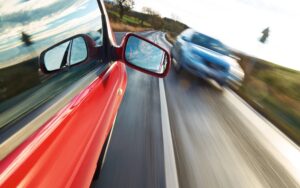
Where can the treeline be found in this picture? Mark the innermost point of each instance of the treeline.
(121, 11)
(274, 92)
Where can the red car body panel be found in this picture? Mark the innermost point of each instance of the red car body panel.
(64, 152)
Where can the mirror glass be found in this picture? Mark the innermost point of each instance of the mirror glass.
(65, 54)
(56, 57)
(144, 55)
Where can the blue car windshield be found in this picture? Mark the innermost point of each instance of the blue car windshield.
(209, 43)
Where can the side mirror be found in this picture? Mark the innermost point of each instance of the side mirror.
(145, 56)
(67, 53)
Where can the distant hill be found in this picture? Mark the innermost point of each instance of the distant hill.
(173, 27)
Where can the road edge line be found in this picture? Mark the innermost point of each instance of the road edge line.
(169, 155)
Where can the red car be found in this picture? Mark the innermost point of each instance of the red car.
(62, 79)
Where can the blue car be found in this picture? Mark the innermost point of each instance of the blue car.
(205, 57)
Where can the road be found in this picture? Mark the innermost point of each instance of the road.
(219, 141)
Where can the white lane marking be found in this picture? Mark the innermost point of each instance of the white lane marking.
(285, 151)
(169, 155)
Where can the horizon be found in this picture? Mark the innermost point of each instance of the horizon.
(239, 24)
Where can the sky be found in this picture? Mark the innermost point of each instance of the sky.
(239, 23)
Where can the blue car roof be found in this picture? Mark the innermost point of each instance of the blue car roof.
(205, 41)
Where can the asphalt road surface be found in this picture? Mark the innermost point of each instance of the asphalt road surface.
(219, 141)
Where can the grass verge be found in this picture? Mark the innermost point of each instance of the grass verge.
(121, 27)
(274, 92)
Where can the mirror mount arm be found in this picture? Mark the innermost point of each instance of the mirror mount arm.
(118, 54)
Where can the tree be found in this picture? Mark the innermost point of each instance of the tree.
(154, 17)
(142, 16)
(124, 5)
(26, 38)
(175, 17)
(265, 35)
(150, 11)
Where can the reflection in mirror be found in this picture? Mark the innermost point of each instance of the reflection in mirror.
(68, 53)
(79, 51)
(144, 55)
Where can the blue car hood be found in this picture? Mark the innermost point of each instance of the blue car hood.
(211, 56)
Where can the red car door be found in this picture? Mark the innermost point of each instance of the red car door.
(53, 126)
(62, 81)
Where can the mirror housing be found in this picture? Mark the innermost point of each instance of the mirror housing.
(144, 55)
